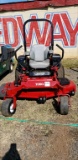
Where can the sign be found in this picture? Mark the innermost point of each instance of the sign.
(13, 1)
(11, 30)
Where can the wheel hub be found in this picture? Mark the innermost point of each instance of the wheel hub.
(11, 108)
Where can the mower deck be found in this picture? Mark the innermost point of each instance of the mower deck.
(33, 88)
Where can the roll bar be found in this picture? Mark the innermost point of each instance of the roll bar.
(34, 20)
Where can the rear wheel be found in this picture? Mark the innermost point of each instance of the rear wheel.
(7, 107)
(64, 107)
(61, 72)
(17, 74)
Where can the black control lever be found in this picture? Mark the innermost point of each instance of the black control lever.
(16, 55)
(61, 50)
(16, 51)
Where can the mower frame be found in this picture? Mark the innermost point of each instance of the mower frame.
(38, 88)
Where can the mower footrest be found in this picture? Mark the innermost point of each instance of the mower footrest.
(64, 81)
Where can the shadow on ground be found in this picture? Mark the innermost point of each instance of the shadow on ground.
(12, 154)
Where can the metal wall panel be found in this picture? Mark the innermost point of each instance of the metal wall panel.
(37, 4)
(65, 22)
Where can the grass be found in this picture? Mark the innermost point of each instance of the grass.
(70, 62)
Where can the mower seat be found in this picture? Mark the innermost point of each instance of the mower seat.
(38, 57)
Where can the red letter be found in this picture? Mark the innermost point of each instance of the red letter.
(20, 25)
(72, 31)
(56, 19)
(0, 34)
(34, 30)
(13, 23)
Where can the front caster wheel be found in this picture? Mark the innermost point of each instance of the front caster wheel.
(64, 106)
(7, 107)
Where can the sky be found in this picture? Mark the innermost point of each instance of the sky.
(10, 1)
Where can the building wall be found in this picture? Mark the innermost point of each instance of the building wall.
(65, 21)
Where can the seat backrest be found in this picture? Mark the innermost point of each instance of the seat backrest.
(39, 52)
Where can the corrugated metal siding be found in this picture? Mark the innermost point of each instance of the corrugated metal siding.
(37, 4)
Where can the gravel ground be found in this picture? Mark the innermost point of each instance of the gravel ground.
(36, 141)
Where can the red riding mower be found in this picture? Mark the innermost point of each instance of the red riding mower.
(37, 77)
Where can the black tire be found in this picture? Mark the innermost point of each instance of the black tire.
(2, 94)
(6, 108)
(11, 67)
(17, 73)
(64, 107)
(61, 72)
